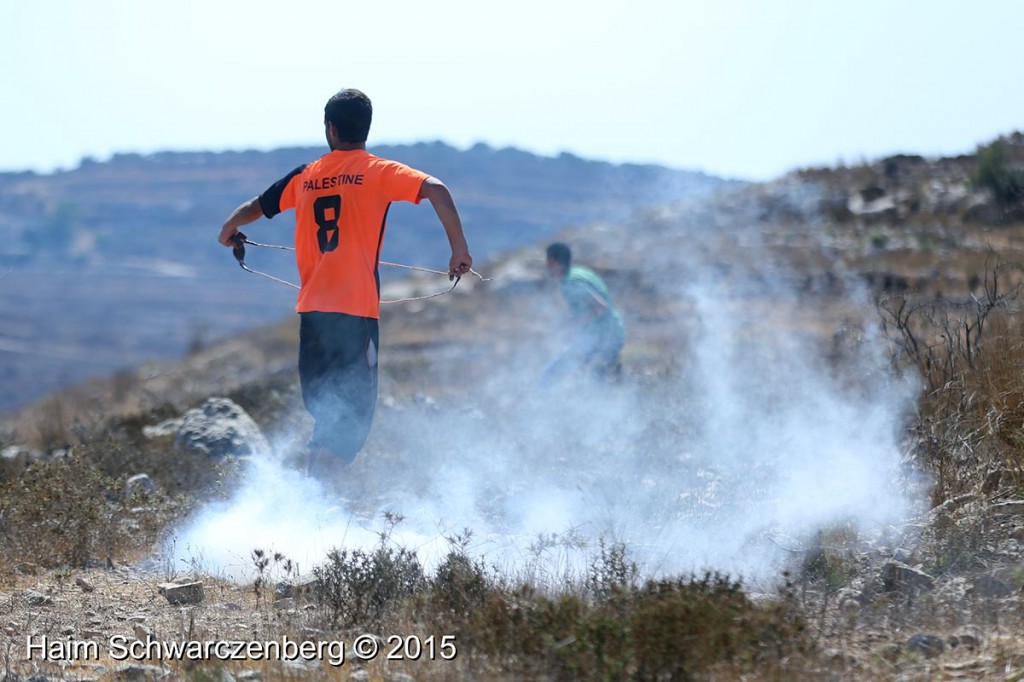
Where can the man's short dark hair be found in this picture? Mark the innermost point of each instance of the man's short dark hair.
(350, 111)
(560, 253)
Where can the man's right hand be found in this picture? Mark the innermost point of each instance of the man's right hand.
(227, 235)
(243, 215)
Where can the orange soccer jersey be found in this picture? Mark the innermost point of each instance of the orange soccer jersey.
(341, 205)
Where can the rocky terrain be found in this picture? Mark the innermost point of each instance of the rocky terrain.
(911, 261)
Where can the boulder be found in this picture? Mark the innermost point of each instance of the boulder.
(897, 577)
(902, 555)
(137, 672)
(1008, 508)
(34, 598)
(965, 640)
(871, 201)
(991, 586)
(220, 427)
(142, 633)
(846, 594)
(299, 590)
(182, 593)
(929, 646)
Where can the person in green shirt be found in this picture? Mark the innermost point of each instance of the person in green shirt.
(597, 330)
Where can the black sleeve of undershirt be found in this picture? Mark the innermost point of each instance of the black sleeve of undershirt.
(270, 200)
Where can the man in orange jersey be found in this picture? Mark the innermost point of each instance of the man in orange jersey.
(341, 203)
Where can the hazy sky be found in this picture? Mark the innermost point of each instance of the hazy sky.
(742, 88)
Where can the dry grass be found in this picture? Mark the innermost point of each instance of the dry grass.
(971, 358)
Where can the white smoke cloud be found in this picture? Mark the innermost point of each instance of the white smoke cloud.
(751, 447)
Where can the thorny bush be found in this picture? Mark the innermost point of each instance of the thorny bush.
(969, 431)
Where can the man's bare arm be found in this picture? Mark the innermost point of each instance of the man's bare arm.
(246, 213)
(441, 199)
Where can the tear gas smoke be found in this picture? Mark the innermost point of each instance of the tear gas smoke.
(750, 447)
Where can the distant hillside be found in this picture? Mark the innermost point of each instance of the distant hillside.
(115, 262)
(104, 212)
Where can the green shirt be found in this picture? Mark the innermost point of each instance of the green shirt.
(579, 287)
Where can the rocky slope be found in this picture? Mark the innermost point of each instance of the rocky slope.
(793, 280)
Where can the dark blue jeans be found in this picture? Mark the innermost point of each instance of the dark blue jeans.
(338, 374)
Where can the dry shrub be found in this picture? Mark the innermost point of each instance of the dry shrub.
(831, 557)
(67, 512)
(362, 588)
(60, 420)
(671, 629)
(52, 423)
(614, 628)
(970, 356)
(459, 586)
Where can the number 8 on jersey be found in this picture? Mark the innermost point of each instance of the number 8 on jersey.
(326, 212)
